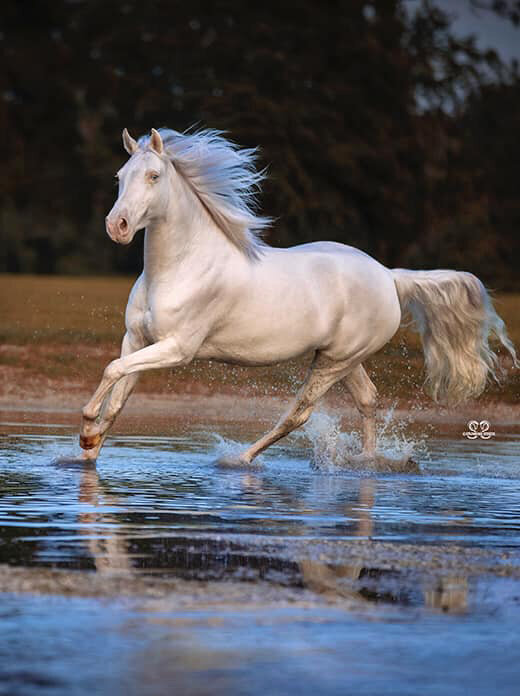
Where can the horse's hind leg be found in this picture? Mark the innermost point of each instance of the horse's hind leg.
(323, 373)
(364, 393)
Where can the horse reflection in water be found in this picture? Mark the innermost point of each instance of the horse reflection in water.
(212, 290)
(109, 548)
(357, 582)
(109, 551)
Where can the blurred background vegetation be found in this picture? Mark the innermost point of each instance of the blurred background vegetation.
(382, 127)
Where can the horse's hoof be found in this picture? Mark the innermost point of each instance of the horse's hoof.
(400, 465)
(74, 462)
(88, 442)
(380, 463)
(231, 462)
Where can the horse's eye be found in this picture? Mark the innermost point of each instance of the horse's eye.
(154, 177)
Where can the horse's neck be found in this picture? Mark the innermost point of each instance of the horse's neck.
(186, 236)
(164, 248)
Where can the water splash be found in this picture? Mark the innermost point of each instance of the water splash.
(393, 441)
(334, 449)
(227, 454)
(65, 450)
(226, 448)
(330, 446)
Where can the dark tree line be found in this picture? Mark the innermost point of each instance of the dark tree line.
(380, 127)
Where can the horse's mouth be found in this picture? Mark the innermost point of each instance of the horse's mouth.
(124, 240)
(127, 238)
(120, 238)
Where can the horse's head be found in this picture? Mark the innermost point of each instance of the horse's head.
(143, 188)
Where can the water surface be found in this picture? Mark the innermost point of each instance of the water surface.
(327, 579)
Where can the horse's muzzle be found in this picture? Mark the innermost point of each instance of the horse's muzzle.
(119, 231)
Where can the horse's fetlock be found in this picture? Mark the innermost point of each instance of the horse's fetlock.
(88, 414)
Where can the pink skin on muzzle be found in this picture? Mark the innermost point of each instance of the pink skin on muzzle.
(118, 229)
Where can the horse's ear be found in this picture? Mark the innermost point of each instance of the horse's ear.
(156, 142)
(129, 143)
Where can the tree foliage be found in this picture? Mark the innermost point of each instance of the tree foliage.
(380, 127)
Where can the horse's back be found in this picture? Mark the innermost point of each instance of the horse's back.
(344, 271)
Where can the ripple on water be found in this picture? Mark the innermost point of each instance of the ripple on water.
(157, 487)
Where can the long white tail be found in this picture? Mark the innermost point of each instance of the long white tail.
(454, 315)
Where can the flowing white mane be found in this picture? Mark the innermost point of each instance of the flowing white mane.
(224, 178)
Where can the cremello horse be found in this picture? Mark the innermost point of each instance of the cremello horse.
(211, 289)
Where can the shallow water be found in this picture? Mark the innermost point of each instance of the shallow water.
(410, 582)
(114, 649)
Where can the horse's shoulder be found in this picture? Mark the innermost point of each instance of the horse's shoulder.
(136, 305)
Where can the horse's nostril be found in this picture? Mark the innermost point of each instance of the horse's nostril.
(123, 224)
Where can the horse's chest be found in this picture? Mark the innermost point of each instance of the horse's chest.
(149, 326)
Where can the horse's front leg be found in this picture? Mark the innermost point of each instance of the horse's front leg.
(114, 402)
(165, 353)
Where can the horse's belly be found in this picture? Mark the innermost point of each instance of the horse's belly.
(259, 349)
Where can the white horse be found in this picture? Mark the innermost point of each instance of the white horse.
(211, 289)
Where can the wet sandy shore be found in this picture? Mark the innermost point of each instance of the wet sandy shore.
(314, 573)
(156, 411)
